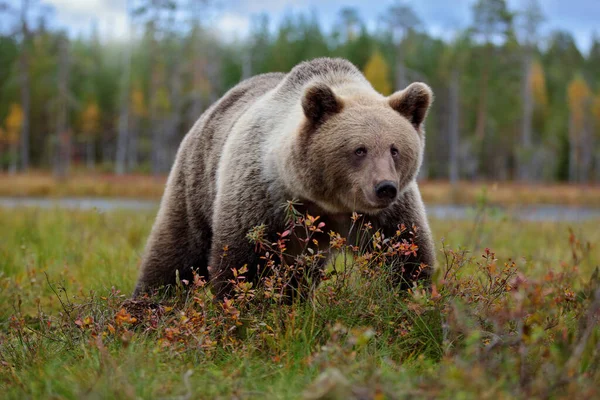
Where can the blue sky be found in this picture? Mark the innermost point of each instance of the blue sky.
(441, 17)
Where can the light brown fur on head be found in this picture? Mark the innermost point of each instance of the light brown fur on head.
(349, 144)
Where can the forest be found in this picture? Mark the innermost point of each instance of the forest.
(511, 103)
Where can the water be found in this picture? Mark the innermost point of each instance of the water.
(438, 211)
(79, 203)
(524, 213)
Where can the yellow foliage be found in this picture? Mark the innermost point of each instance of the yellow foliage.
(138, 105)
(578, 94)
(90, 119)
(163, 104)
(377, 72)
(538, 84)
(596, 113)
(13, 123)
(596, 108)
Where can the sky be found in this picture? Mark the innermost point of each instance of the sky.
(232, 17)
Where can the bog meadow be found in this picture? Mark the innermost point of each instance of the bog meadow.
(94, 101)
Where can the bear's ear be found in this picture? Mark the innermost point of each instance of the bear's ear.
(413, 103)
(319, 102)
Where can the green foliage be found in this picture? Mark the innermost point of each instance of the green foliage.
(179, 66)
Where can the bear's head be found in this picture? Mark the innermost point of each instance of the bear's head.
(357, 150)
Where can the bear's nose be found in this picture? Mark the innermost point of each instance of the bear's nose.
(386, 190)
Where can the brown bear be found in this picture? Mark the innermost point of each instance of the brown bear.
(320, 134)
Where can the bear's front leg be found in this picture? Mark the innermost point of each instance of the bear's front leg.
(237, 211)
(231, 249)
(410, 211)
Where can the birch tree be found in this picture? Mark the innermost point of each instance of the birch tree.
(63, 135)
(400, 20)
(532, 18)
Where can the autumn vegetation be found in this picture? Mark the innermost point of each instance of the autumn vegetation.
(515, 319)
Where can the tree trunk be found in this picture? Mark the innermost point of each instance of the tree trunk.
(586, 143)
(156, 121)
(90, 153)
(132, 146)
(62, 132)
(25, 86)
(400, 68)
(12, 168)
(123, 129)
(453, 126)
(483, 93)
(573, 151)
(198, 72)
(247, 63)
(524, 153)
(177, 103)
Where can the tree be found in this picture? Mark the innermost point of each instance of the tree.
(377, 72)
(579, 102)
(201, 65)
(451, 69)
(350, 23)
(25, 83)
(537, 85)
(400, 19)
(561, 58)
(532, 18)
(491, 20)
(14, 125)
(90, 124)
(157, 24)
(138, 112)
(596, 135)
(593, 61)
(123, 127)
(63, 134)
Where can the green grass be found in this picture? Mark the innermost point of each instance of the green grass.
(492, 329)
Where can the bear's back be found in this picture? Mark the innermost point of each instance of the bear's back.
(202, 147)
(332, 71)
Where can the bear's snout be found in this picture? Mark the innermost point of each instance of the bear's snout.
(386, 190)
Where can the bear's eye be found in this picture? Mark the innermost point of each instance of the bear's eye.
(361, 152)
(395, 152)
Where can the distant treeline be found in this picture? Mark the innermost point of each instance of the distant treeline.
(510, 104)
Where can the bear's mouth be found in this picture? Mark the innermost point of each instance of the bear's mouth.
(372, 204)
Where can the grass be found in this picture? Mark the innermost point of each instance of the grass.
(85, 184)
(515, 317)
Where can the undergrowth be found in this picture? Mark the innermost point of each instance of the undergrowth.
(487, 327)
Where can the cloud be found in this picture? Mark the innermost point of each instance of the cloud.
(233, 26)
(246, 7)
(441, 17)
(79, 15)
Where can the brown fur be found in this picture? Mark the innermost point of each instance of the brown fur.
(279, 137)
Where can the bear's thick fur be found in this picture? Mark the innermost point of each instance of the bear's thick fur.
(319, 134)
